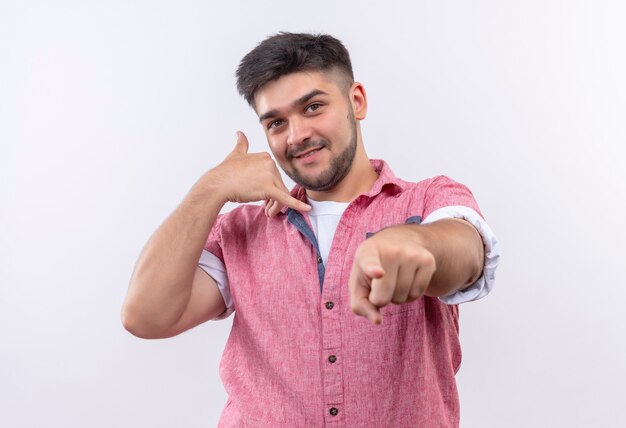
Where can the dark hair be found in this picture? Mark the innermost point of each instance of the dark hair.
(286, 53)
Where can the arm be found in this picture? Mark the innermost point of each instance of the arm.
(168, 293)
(402, 263)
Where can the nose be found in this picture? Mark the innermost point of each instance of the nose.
(298, 131)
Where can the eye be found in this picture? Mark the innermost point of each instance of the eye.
(313, 107)
(275, 123)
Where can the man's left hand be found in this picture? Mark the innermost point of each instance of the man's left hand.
(392, 266)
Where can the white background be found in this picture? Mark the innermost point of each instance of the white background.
(109, 112)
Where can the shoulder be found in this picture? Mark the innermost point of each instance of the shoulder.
(435, 192)
(244, 216)
(235, 229)
(439, 184)
(248, 222)
(435, 181)
(433, 185)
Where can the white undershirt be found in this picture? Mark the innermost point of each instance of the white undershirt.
(325, 216)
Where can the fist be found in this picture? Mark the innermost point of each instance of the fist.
(392, 266)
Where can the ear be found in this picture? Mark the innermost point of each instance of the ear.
(358, 99)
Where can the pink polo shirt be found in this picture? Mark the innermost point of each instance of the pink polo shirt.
(297, 356)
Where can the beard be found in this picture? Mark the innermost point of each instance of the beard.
(339, 166)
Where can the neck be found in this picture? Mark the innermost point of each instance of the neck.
(359, 180)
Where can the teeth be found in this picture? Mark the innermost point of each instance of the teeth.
(309, 153)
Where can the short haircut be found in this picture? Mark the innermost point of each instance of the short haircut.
(286, 53)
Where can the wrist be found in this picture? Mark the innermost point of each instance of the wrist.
(210, 188)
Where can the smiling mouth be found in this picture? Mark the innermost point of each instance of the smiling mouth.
(308, 153)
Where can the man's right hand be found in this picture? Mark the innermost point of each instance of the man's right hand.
(251, 177)
(168, 292)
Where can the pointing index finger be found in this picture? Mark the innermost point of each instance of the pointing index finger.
(365, 269)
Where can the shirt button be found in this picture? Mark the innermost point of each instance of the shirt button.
(329, 305)
(333, 411)
(332, 359)
(319, 259)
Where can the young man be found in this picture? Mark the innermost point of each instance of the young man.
(350, 239)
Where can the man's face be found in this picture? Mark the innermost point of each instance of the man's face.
(310, 126)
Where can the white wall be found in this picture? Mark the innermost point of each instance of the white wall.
(109, 112)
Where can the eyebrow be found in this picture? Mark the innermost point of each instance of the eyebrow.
(302, 100)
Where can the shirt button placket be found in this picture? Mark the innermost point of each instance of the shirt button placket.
(333, 382)
(332, 315)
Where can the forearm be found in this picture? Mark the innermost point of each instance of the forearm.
(161, 283)
(458, 251)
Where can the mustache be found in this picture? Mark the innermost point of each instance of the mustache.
(294, 151)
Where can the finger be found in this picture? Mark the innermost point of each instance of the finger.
(422, 279)
(242, 145)
(404, 283)
(363, 307)
(384, 287)
(275, 208)
(367, 261)
(269, 207)
(359, 290)
(287, 200)
(365, 269)
(278, 180)
(266, 206)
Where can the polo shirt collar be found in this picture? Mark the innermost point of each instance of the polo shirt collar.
(386, 181)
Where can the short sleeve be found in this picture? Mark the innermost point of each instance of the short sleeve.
(215, 268)
(486, 282)
(212, 262)
(446, 198)
(213, 243)
(443, 192)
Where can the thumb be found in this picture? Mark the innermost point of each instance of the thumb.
(241, 146)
